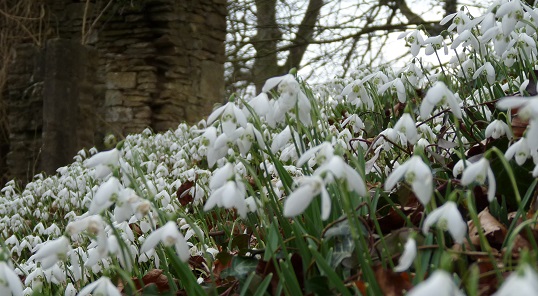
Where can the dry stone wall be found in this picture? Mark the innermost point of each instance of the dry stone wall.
(155, 65)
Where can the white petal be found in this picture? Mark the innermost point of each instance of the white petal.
(298, 201)
(473, 171)
(215, 114)
(395, 176)
(408, 256)
(492, 185)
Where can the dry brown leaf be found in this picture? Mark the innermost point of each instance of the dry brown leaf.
(494, 231)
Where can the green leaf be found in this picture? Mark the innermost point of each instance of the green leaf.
(241, 267)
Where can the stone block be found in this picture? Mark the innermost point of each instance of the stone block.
(146, 76)
(133, 101)
(113, 97)
(118, 114)
(120, 80)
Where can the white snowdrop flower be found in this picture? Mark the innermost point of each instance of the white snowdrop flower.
(479, 172)
(440, 283)
(460, 21)
(322, 153)
(447, 217)
(339, 169)
(355, 122)
(230, 116)
(230, 195)
(251, 204)
(465, 39)
(524, 281)
(70, 290)
(489, 71)
(425, 131)
(357, 95)
(221, 176)
(52, 251)
(416, 173)
(260, 104)
(421, 145)
(397, 87)
(467, 69)
(102, 286)
(103, 162)
(105, 196)
(439, 94)
(301, 197)
(10, 284)
(126, 204)
(408, 255)
(528, 106)
(413, 74)
(434, 44)
(459, 167)
(509, 57)
(510, 13)
(35, 279)
(247, 136)
(527, 45)
(280, 140)
(169, 235)
(406, 125)
(498, 128)
(413, 39)
(520, 150)
(219, 149)
(290, 96)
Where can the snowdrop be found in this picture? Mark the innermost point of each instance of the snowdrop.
(520, 150)
(528, 106)
(247, 136)
(406, 125)
(50, 252)
(103, 162)
(355, 122)
(510, 13)
(260, 104)
(230, 116)
(396, 86)
(322, 153)
(105, 196)
(102, 286)
(439, 94)
(70, 290)
(479, 172)
(300, 198)
(413, 39)
(10, 284)
(337, 168)
(488, 69)
(358, 96)
(459, 167)
(524, 281)
(460, 21)
(435, 43)
(498, 128)
(440, 283)
(291, 95)
(408, 255)
(447, 217)
(416, 173)
(169, 235)
(231, 195)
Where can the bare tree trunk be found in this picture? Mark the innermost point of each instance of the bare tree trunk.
(265, 42)
(268, 35)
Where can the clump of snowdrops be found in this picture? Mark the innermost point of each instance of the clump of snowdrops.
(416, 180)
